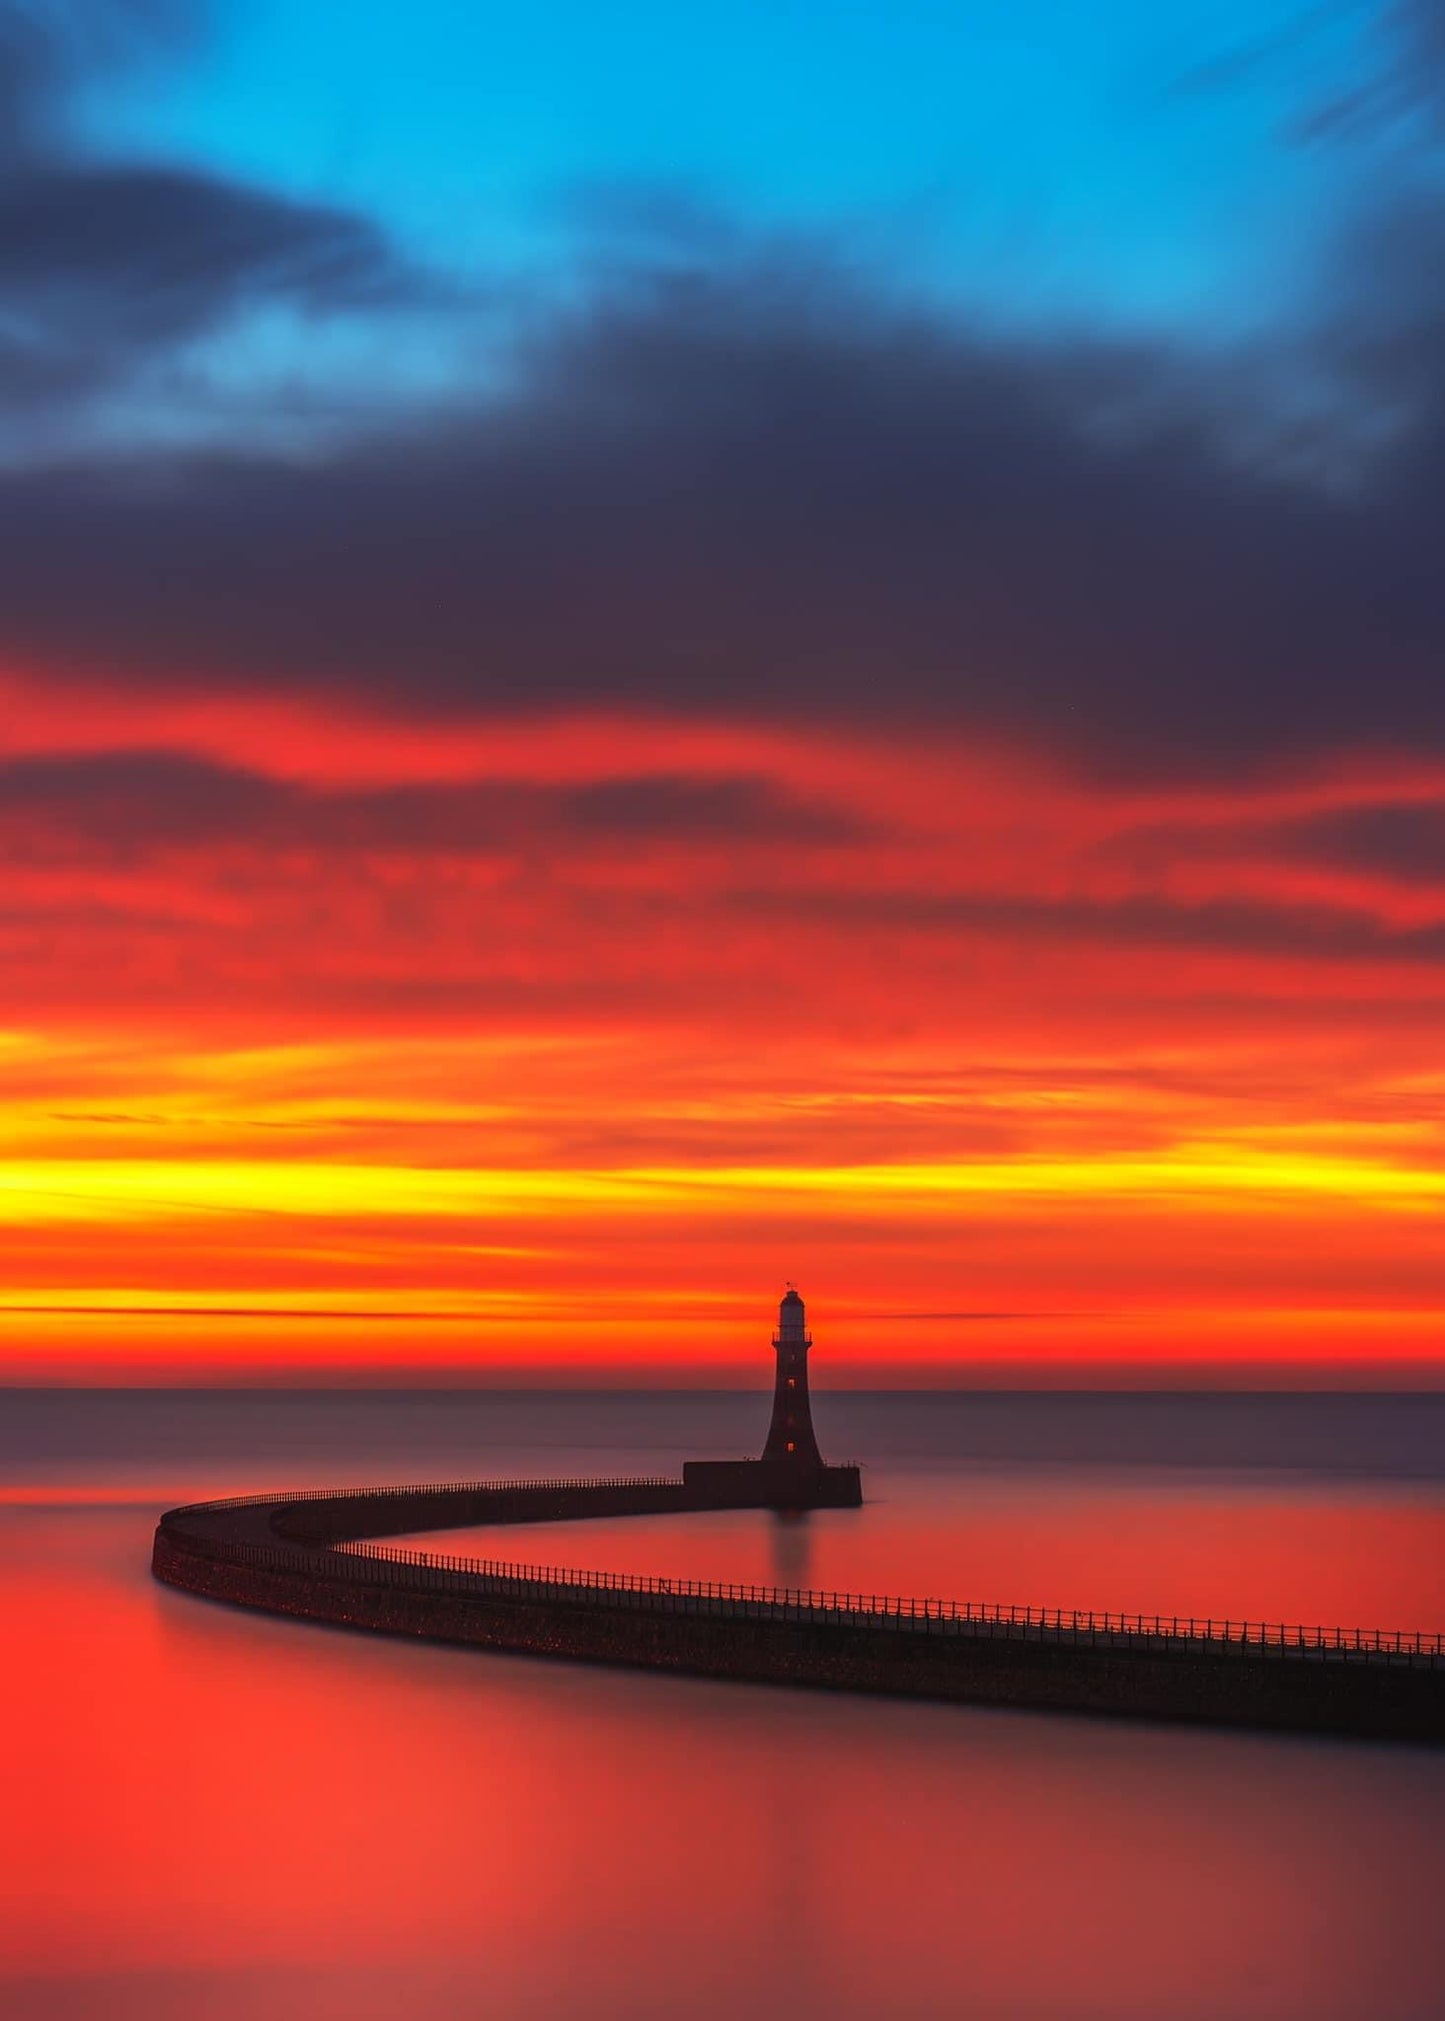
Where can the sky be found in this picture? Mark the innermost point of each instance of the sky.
(649, 651)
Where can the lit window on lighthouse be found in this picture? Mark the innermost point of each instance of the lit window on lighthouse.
(791, 1447)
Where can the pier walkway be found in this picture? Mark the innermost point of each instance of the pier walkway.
(316, 1553)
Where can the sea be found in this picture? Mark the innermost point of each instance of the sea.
(214, 1815)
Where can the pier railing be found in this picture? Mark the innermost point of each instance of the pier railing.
(405, 1568)
(930, 1616)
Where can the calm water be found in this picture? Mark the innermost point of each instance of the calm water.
(211, 1815)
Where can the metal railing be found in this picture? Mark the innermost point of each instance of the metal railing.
(956, 1616)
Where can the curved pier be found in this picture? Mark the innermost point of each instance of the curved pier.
(315, 1555)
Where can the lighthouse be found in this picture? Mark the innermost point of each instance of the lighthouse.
(791, 1474)
(791, 1439)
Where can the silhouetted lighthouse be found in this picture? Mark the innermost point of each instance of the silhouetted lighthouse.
(790, 1436)
(792, 1473)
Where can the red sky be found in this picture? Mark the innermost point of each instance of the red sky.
(556, 1045)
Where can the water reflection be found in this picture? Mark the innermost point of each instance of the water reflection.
(1353, 1553)
(790, 1549)
(232, 1816)
(215, 1814)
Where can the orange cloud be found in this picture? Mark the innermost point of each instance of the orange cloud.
(330, 1043)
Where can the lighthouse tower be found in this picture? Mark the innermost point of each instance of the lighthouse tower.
(790, 1436)
(792, 1474)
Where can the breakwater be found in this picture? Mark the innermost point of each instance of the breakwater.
(315, 1555)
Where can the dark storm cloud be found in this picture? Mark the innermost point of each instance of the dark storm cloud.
(1397, 841)
(705, 809)
(47, 45)
(739, 485)
(1403, 843)
(123, 809)
(106, 266)
(137, 801)
(134, 804)
(759, 493)
(1249, 927)
(106, 259)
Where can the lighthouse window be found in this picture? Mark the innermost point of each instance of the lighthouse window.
(791, 1447)
(792, 1382)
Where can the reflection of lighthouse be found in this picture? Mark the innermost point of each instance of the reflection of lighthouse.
(790, 1436)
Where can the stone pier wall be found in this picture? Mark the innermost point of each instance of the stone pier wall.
(279, 1556)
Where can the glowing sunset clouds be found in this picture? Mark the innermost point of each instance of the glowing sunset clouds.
(581, 737)
(556, 1063)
